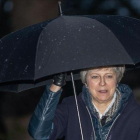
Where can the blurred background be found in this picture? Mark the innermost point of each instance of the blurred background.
(17, 108)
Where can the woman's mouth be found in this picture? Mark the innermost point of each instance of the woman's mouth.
(103, 91)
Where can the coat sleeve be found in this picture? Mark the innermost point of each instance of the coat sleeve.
(41, 123)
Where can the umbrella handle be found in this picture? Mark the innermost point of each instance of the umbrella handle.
(60, 9)
(77, 106)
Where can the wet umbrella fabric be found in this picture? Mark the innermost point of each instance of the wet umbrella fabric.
(68, 43)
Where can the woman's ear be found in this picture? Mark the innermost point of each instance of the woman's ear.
(86, 85)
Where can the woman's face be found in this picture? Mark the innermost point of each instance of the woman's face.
(102, 83)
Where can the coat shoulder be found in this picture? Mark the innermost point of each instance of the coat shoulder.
(134, 107)
(137, 109)
(71, 100)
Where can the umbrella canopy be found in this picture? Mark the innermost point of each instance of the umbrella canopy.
(68, 43)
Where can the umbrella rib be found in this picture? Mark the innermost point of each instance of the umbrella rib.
(77, 106)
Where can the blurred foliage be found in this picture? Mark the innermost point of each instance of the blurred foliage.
(71, 7)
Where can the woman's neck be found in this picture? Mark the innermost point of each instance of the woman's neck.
(102, 106)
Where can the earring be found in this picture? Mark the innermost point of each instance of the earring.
(86, 85)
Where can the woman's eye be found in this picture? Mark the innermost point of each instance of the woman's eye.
(109, 76)
(94, 77)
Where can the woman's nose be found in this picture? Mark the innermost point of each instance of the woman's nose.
(102, 81)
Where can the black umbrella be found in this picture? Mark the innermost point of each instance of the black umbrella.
(68, 43)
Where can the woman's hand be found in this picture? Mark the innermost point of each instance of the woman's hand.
(58, 82)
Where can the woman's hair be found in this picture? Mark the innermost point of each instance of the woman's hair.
(119, 70)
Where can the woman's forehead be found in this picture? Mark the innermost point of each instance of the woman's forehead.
(105, 69)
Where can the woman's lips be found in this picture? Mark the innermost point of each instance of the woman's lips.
(103, 91)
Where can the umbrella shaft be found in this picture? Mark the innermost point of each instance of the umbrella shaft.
(77, 106)
(60, 9)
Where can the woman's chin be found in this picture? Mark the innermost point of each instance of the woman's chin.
(104, 100)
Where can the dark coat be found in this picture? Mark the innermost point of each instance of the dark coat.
(126, 126)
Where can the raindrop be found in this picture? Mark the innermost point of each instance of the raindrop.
(87, 27)
(6, 60)
(26, 68)
(39, 67)
(17, 38)
(79, 29)
(109, 31)
(93, 26)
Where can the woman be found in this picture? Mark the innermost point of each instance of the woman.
(108, 110)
